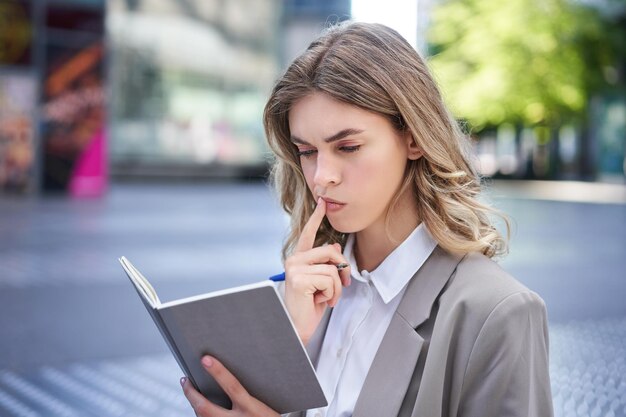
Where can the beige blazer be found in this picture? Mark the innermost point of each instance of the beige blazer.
(467, 340)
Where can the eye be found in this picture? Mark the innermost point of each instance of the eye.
(350, 149)
(305, 153)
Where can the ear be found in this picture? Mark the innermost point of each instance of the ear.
(414, 151)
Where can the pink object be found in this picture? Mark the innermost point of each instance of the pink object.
(90, 176)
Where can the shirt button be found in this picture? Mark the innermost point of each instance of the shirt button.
(318, 414)
(339, 352)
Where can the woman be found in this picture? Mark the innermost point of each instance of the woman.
(376, 174)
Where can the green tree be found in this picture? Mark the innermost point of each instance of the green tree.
(528, 62)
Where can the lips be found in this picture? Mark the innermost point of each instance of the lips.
(331, 201)
(333, 206)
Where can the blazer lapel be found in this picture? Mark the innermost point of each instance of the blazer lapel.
(401, 346)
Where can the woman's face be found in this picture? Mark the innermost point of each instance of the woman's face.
(351, 157)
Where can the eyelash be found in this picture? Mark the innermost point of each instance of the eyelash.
(309, 152)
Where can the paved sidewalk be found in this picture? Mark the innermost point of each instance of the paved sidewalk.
(587, 375)
(76, 341)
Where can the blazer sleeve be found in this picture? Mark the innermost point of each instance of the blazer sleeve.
(507, 373)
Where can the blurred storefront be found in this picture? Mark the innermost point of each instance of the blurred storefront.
(609, 114)
(18, 97)
(74, 132)
(52, 113)
(90, 88)
(188, 81)
(597, 152)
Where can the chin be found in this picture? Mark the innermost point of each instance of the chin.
(344, 227)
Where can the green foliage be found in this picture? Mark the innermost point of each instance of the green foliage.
(522, 61)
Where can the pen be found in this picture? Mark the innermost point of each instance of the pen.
(281, 276)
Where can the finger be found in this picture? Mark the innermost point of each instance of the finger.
(313, 278)
(307, 237)
(319, 255)
(323, 288)
(337, 290)
(201, 406)
(332, 292)
(302, 263)
(310, 272)
(227, 381)
(344, 273)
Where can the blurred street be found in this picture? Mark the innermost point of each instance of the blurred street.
(76, 340)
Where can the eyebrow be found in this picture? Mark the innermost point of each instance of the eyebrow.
(337, 136)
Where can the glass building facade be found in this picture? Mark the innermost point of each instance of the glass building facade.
(187, 84)
(132, 87)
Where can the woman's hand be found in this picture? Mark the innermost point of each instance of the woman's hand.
(244, 405)
(312, 281)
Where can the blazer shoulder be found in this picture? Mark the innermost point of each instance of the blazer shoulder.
(479, 285)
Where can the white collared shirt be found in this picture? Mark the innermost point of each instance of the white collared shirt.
(360, 319)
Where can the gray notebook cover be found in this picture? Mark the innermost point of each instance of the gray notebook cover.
(247, 328)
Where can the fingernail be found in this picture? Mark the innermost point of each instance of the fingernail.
(319, 200)
(207, 361)
(182, 381)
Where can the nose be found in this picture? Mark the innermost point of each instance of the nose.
(327, 171)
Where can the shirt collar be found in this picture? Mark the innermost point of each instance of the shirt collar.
(392, 275)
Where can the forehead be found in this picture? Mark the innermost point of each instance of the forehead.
(319, 115)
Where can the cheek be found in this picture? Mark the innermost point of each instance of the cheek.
(375, 168)
(308, 169)
(384, 171)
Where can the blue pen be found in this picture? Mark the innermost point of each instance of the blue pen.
(281, 276)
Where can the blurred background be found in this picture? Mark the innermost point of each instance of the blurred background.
(133, 127)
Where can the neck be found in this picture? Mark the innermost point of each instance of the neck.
(374, 244)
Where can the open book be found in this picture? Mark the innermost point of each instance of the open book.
(248, 329)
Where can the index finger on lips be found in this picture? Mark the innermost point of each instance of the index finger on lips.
(307, 238)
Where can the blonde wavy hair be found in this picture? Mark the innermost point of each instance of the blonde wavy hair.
(371, 66)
